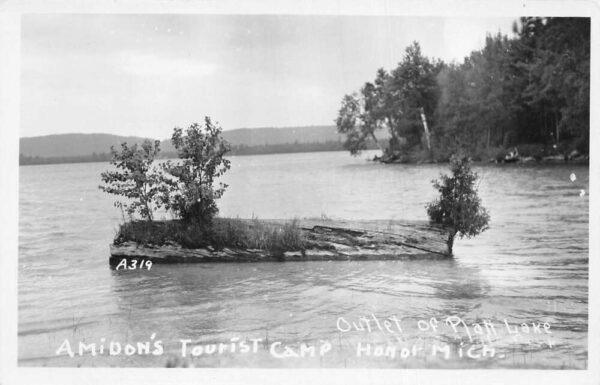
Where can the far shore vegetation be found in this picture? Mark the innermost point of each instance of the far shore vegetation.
(238, 150)
(519, 99)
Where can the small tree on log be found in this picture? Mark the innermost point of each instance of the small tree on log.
(191, 193)
(134, 179)
(458, 207)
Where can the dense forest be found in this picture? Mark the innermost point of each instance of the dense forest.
(527, 96)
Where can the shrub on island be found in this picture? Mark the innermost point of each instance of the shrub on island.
(135, 179)
(458, 208)
(186, 188)
(191, 193)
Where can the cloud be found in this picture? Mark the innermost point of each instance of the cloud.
(151, 65)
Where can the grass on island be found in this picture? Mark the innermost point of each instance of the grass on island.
(223, 233)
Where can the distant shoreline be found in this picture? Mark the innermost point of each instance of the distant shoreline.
(104, 157)
(242, 150)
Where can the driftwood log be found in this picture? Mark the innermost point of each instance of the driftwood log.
(324, 240)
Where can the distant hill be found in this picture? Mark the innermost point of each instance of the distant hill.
(65, 145)
(74, 145)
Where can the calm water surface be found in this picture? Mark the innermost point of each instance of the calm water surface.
(530, 266)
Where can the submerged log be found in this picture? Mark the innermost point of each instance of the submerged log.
(323, 240)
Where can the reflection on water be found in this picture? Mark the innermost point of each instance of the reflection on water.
(530, 266)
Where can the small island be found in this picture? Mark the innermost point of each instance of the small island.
(186, 189)
(254, 240)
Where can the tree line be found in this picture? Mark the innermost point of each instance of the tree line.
(241, 149)
(529, 91)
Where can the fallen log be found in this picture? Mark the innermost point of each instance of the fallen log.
(323, 240)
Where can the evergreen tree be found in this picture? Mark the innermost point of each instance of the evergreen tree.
(458, 208)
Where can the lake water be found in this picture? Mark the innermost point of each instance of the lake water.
(530, 266)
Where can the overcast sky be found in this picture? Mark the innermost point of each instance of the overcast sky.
(145, 74)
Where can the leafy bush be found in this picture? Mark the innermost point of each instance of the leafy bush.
(190, 193)
(458, 207)
(135, 179)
